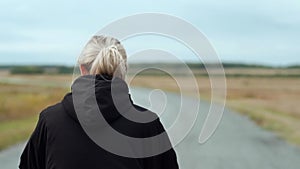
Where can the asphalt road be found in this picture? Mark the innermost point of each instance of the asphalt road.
(238, 143)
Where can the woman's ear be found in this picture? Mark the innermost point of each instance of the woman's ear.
(83, 70)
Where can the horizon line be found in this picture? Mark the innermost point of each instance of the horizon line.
(169, 63)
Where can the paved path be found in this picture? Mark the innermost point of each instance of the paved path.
(9, 158)
(237, 144)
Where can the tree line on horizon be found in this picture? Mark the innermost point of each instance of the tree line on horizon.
(58, 69)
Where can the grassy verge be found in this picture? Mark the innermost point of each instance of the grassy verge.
(14, 131)
(20, 105)
(284, 125)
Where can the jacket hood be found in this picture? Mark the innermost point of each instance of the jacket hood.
(97, 93)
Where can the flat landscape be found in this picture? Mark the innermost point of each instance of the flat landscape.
(269, 97)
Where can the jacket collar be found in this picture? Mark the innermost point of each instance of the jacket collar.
(109, 93)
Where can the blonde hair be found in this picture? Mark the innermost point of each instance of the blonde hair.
(104, 55)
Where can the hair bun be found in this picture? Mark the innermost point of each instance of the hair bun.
(104, 55)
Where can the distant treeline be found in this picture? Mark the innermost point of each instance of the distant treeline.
(30, 69)
(200, 65)
(203, 66)
(57, 69)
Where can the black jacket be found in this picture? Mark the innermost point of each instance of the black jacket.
(59, 141)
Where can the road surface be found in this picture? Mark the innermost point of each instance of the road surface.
(238, 143)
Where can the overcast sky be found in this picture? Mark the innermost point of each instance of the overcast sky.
(54, 31)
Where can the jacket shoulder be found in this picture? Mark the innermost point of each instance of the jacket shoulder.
(52, 112)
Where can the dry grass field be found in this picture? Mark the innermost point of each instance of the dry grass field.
(272, 102)
(20, 104)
